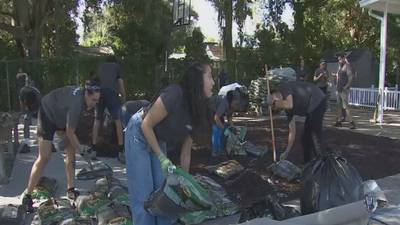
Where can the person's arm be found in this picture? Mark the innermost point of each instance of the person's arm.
(349, 76)
(286, 103)
(186, 151)
(218, 121)
(121, 88)
(291, 138)
(155, 115)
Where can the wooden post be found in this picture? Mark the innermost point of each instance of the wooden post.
(270, 117)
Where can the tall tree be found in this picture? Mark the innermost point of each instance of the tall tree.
(27, 21)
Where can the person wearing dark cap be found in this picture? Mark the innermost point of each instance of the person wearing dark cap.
(60, 110)
(321, 76)
(344, 78)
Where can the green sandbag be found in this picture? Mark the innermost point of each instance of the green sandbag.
(88, 205)
(76, 221)
(55, 210)
(235, 141)
(45, 188)
(119, 194)
(179, 194)
(104, 185)
(222, 206)
(120, 221)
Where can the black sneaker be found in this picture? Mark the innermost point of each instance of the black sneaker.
(72, 194)
(338, 124)
(352, 125)
(27, 203)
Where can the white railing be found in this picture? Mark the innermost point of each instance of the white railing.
(368, 97)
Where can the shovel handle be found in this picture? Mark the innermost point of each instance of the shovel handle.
(270, 117)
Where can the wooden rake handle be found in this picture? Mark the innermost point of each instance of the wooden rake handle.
(270, 117)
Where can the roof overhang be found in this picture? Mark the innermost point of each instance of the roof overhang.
(379, 5)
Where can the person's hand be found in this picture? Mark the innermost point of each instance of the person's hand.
(284, 155)
(166, 164)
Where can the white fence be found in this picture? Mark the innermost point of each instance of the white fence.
(368, 97)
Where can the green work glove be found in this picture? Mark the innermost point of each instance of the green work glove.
(166, 164)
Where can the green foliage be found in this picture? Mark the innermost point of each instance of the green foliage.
(195, 47)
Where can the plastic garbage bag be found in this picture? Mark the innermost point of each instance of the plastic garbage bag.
(87, 205)
(285, 169)
(77, 221)
(179, 194)
(279, 211)
(222, 205)
(54, 211)
(385, 216)
(96, 170)
(119, 194)
(228, 169)
(11, 214)
(113, 211)
(235, 141)
(328, 181)
(254, 150)
(104, 185)
(45, 188)
(369, 189)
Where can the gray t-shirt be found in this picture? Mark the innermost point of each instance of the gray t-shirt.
(63, 106)
(323, 80)
(178, 124)
(306, 97)
(344, 73)
(109, 74)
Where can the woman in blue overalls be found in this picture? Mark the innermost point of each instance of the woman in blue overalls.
(169, 120)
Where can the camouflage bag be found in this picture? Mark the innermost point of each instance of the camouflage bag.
(88, 205)
(114, 213)
(119, 194)
(105, 184)
(55, 210)
(77, 221)
(45, 188)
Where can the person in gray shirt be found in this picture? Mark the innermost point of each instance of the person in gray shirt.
(60, 110)
(321, 77)
(112, 86)
(303, 99)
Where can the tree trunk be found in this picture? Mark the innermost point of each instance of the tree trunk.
(227, 35)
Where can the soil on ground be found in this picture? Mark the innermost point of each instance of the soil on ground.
(374, 157)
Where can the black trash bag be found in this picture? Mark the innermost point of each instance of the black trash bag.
(104, 185)
(279, 211)
(95, 170)
(328, 181)
(11, 214)
(385, 216)
(112, 211)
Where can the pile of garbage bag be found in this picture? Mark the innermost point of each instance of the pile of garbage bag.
(11, 214)
(180, 194)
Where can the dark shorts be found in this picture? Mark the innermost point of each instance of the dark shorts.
(46, 128)
(109, 99)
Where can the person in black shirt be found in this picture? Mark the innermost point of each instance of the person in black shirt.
(170, 119)
(304, 99)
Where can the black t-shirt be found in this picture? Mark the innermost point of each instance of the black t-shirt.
(306, 97)
(178, 124)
